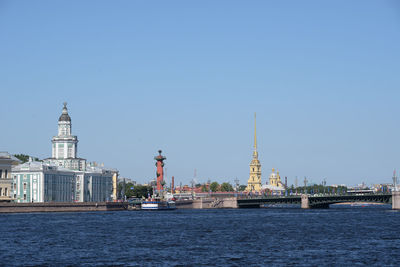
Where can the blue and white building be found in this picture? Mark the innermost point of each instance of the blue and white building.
(64, 177)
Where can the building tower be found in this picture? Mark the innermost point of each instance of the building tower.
(160, 171)
(65, 145)
(254, 182)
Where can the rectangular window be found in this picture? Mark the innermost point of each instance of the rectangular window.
(1, 191)
(24, 186)
(6, 174)
(24, 196)
(61, 151)
(6, 192)
(1, 173)
(69, 152)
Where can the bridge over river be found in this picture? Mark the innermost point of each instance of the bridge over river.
(307, 201)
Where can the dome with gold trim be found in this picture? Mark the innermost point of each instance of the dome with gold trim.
(274, 184)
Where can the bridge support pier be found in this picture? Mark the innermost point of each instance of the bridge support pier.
(305, 204)
(396, 200)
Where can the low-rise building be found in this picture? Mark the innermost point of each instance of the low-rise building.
(42, 182)
(38, 182)
(6, 163)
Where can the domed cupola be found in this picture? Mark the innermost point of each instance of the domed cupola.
(64, 116)
(273, 174)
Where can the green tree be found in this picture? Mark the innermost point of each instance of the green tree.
(204, 188)
(226, 187)
(214, 186)
(119, 189)
(242, 187)
(129, 190)
(138, 191)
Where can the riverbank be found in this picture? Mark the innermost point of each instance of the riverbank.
(61, 207)
(206, 203)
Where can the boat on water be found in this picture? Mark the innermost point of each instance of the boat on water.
(158, 204)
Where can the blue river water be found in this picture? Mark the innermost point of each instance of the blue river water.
(338, 236)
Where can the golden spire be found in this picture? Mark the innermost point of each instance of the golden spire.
(255, 153)
(255, 132)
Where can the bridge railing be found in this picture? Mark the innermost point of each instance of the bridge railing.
(249, 196)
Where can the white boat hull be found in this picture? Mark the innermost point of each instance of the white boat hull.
(158, 205)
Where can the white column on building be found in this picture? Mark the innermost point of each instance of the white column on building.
(30, 188)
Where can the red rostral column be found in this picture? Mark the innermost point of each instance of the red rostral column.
(160, 171)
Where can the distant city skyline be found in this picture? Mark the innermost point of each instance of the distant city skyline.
(187, 77)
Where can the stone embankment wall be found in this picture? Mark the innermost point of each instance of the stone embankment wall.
(61, 207)
(207, 203)
(184, 204)
(202, 203)
(230, 203)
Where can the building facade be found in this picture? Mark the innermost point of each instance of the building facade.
(6, 163)
(64, 177)
(65, 145)
(41, 182)
(254, 182)
(274, 185)
(36, 181)
(275, 179)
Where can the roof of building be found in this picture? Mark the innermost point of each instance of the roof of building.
(6, 155)
(31, 165)
(38, 165)
(64, 116)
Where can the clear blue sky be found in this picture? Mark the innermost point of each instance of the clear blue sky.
(187, 76)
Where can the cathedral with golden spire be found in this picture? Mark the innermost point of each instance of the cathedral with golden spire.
(254, 182)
